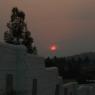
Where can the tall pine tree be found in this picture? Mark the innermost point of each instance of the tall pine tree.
(18, 33)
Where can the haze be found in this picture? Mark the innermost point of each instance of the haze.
(70, 24)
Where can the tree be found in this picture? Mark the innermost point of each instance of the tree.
(86, 60)
(17, 31)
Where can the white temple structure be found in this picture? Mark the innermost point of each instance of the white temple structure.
(25, 74)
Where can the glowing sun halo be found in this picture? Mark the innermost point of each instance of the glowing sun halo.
(53, 48)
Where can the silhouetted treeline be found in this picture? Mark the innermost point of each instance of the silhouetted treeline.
(80, 68)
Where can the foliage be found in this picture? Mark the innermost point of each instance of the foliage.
(79, 68)
(17, 31)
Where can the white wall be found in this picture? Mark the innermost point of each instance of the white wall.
(25, 67)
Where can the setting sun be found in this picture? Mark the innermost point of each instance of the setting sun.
(53, 48)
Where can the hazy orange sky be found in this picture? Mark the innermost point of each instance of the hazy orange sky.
(70, 24)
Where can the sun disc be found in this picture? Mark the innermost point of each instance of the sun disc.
(53, 48)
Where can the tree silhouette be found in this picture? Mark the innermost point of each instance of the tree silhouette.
(17, 31)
